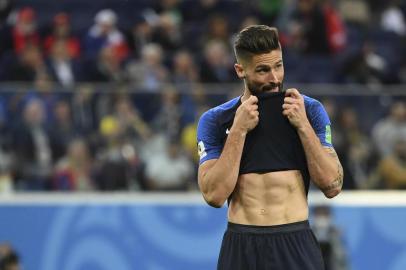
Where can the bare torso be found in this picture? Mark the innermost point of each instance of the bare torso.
(269, 199)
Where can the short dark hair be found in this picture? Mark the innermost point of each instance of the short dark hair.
(256, 39)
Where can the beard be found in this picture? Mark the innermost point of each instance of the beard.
(256, 88)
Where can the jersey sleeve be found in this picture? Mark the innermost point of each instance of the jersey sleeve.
(321, 123)
(208, 142)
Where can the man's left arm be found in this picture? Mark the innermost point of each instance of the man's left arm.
(324, 166)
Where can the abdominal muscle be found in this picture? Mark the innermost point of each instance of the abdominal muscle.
(269, 199)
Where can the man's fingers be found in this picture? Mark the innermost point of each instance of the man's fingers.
(254, 113)
(289, 106)
(252, 99)
(290, 100)
(293, 92)
(286, 112)
(289, 109)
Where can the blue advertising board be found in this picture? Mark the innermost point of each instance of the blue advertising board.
(158, 236)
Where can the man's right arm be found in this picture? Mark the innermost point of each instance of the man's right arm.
(217, 177)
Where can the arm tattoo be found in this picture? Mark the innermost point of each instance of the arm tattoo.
(338, 182)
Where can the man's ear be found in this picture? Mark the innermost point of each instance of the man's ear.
(239, 69)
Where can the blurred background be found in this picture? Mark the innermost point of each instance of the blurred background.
(99, 102)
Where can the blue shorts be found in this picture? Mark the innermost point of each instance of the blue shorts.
(290, 246)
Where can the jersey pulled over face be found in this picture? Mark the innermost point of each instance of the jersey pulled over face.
(265, 72)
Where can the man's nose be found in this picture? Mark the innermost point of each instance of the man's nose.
(272, 76)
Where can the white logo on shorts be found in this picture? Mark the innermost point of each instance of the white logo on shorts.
(227, 131)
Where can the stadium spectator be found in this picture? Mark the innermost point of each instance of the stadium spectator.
(392, 168)
(218, 29)
(29, 64)
(119, 166)
(185, 72)
(107, 67)
(5, 9)
(387, 129)
(83, 109)
(130, 121)
(24, 31)
(216, 64)
(139, 36)
(330, 239)
(63, 68)
(63, 129)
(149, 73)
(316, 28)
(169, 169)
(73, 172)
(61, 31)
(307, 28)
(33, 148)
(44, 89)
(104, 33)
(365, 66)
(355, 12)
(393, 19)
(167, 33)
(353, 147)
(168, 119)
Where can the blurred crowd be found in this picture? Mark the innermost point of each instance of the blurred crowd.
(148, 43)
(110, 95)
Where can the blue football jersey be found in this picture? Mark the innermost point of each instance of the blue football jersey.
(214, 126)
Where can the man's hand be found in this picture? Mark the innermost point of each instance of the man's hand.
(294, 108)
(246, 116)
